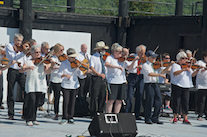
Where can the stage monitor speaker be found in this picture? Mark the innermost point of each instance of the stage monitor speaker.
(113, 125)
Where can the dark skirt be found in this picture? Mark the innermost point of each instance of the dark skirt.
(118, 92)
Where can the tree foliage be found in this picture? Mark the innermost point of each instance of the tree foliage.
(113, 6)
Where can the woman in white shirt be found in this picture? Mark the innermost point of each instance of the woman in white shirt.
(201, 85)
(55, 79)
(69, 86)
(35, 84)
(116, 78)
(181, 80)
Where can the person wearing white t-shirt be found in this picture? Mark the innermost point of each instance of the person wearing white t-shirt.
(35, 84)
(84, 79)
(69, 86)
(98, 82)
(115, 76)
(201, 85)
(151, 87)
(55, 79)
(181, 81)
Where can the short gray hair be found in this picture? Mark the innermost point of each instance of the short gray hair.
(181, 55)
(139, 49)
(115, 47)
(34, 47)
(16, 35)
(44, 43)
(188, 52)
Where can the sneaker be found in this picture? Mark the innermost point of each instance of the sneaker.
(168, 108)
(41, 108)
(186, 122)
(35, 123)
(63, 122)
(175, 120)
(29, 123)
(200, 118)
(71, 121)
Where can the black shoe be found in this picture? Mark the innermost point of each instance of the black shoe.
(148, 122)
(11, 118)
(157, 122)
(138, 118)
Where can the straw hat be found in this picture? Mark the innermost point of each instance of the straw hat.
(101, 45)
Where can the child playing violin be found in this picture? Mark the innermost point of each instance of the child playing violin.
(69, 86)
(35, 84)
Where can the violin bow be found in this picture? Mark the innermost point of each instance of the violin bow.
(48, 56)
(156, 48)
(78, 67)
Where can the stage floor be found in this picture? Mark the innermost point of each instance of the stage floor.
(51, 128)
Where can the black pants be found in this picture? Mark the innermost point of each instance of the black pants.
(180, 96)
(56, 88)
(69, 96)
(98, 95)
(202, 106)
(31, 102)
(12, 77)
(1, 88)
(153, 97)
(84, 86)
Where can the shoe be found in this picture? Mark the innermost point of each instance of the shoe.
(158, 122)
(148, 122)
(63, 122)
(71, 121)
(56, 117)
(175, 120)
(11, 118)
(168, 108)
(2, 107)
(41, 108)
(35, 123)
(138, 118)
(200, 118)
(29, 123)
(186, 122)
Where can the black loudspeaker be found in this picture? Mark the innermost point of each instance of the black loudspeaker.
(116, 125)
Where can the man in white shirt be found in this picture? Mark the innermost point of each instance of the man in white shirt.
(44, 48)
(98, 85)
(13, 75)
(84, 79)
(151, 87)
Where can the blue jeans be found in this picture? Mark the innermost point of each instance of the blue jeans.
(134, 81)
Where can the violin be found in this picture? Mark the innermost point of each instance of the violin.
(3, 52)
(159, 64)
(63, 57)
(83, 66)
(106, 55)
(5, 61)
(129, 58)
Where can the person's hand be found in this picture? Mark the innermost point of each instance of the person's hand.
(162, 75)
(102, 75)
(139, 66)
(13, 62)
(31, 67)
(121, 68)
(68, 76)
(0, 72)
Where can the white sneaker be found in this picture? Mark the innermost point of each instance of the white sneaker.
(29, 123)
(63, 122)
(35, 123)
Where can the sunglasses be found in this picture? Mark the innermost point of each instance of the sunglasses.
(167, 58)
(119, 52)
(183, 58)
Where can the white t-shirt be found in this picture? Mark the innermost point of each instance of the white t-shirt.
(115, 75)
(72, 83)
(80, 58)
(35, 79)
(184, 79)
(201, 78)
(95, 62)
(146, 69)
(54, 74)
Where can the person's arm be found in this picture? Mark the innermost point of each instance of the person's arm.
(49, 67)
(130, 67)
(156, 75)
(10, 53)
(25, 68)
(9, 65)
(108, 65)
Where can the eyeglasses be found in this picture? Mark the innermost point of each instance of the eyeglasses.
(61, 49)
(38, 52)
(167, 58)
(183, 58)
(119, 52)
